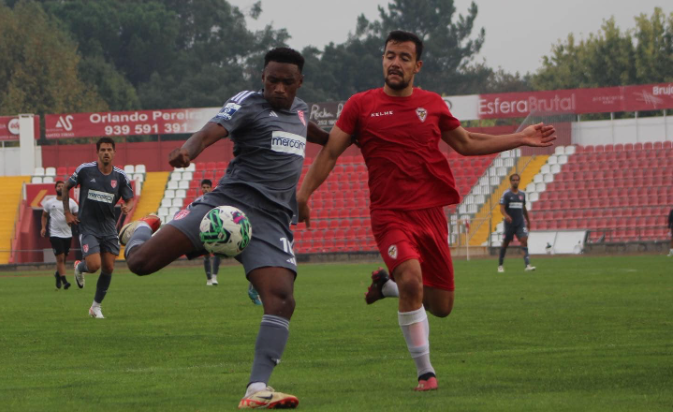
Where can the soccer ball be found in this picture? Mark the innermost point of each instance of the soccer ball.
(225, 231)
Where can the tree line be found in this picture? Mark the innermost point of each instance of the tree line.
(79, 55)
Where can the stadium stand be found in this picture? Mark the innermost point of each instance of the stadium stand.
(11, 188)
(619, 192)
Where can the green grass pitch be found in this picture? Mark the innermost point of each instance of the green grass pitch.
(579, 334)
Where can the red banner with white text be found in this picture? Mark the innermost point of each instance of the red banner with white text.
(170, 121)
(473, 107)
(578, 101)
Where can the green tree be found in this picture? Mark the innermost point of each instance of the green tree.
(448, 56)
(612, 57)
(654, 49)
(38, 65)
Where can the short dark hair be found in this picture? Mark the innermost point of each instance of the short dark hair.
(399, 36)
(105, 140)
(207, 182)
(512, 177)
(57, 182)
(285, 55)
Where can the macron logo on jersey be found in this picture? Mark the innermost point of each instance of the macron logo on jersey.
(284, 142)
(103, 197)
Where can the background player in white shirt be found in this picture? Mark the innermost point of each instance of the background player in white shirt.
(60, 234)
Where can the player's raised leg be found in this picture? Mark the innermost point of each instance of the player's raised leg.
(146, 254)
(91, 262)
(382, 287)
(276, 288)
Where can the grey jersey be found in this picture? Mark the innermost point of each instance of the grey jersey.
(269, 147)
(514, 204)
(98, 195)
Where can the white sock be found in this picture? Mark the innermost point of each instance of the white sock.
(416, 331)
(390, 290)
(255, 387)
(95, 304)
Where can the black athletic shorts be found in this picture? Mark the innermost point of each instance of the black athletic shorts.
(60, 245)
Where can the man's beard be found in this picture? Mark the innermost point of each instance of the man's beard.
(397, 86)
(58, 193)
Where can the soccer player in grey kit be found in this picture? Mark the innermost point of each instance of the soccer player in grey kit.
(269, 129)
(101, 187)
(515, 215)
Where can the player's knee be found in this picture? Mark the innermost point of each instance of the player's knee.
(410, 286)
(280, 302)
(93, 267)
(138, 265)
(441, 311)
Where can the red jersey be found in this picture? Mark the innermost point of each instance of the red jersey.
(399, 138)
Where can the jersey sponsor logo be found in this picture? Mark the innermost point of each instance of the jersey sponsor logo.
(273, 114)
(228, 111)
(113, 184)
(181, 214)
(284, 142)
(422, 113)
(392, 251)
(515, 205)
(301, 117)
(102, 197)
(379, 114)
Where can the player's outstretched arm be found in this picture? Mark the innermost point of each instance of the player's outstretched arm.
(337, 142)
(475, 144)
(316, 135)
(209, 134)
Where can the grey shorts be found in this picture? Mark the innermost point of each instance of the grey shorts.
(512, 230)
(92, 244)
(272, 240)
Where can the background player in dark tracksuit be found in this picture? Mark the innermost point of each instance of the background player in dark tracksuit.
(211, 268)
(101, 186)
(269, 129)
(513, 209)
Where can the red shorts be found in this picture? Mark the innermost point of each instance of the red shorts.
(423, 234)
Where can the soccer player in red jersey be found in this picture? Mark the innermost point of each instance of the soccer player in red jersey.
(399, 128)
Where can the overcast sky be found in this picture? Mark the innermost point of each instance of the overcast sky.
(518, 32)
